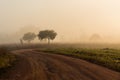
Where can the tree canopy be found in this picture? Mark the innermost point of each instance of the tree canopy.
(29, 36)
(47, 34)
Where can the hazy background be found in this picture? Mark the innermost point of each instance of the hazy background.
(73, 20)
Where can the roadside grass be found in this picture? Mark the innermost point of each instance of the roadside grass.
(106, 57)
(95, 53)
(6, 59)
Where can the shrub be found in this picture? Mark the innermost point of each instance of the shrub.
(6, 58)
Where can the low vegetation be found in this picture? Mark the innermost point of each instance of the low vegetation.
(6, 58)
(109, 58)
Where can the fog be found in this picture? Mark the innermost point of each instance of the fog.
(73, 20)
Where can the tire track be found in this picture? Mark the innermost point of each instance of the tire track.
(46, 66)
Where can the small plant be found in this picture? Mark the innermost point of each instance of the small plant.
(6, 58)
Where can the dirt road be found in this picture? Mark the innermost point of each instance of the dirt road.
(46, 66)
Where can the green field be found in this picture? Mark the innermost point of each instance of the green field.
(106, 57)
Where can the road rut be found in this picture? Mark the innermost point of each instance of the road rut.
(47, 66)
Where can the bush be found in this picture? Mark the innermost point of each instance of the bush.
(6, 58)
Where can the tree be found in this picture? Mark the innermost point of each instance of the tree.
(95, 38)
(47, 34)
(29, 37)
(21, 41)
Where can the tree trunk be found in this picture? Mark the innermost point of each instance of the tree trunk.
(48, 41)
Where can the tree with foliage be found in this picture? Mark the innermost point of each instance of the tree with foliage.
(95, 38)
(47, 34)
(29, 37)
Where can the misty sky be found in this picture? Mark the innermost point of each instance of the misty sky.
(70, 18)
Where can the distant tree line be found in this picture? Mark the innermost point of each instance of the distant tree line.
(43, 35)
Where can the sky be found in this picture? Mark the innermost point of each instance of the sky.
(73, 20)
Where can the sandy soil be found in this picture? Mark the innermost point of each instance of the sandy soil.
(45, 66)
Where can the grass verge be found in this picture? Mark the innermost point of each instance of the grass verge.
(6, 60)
(106, 57)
